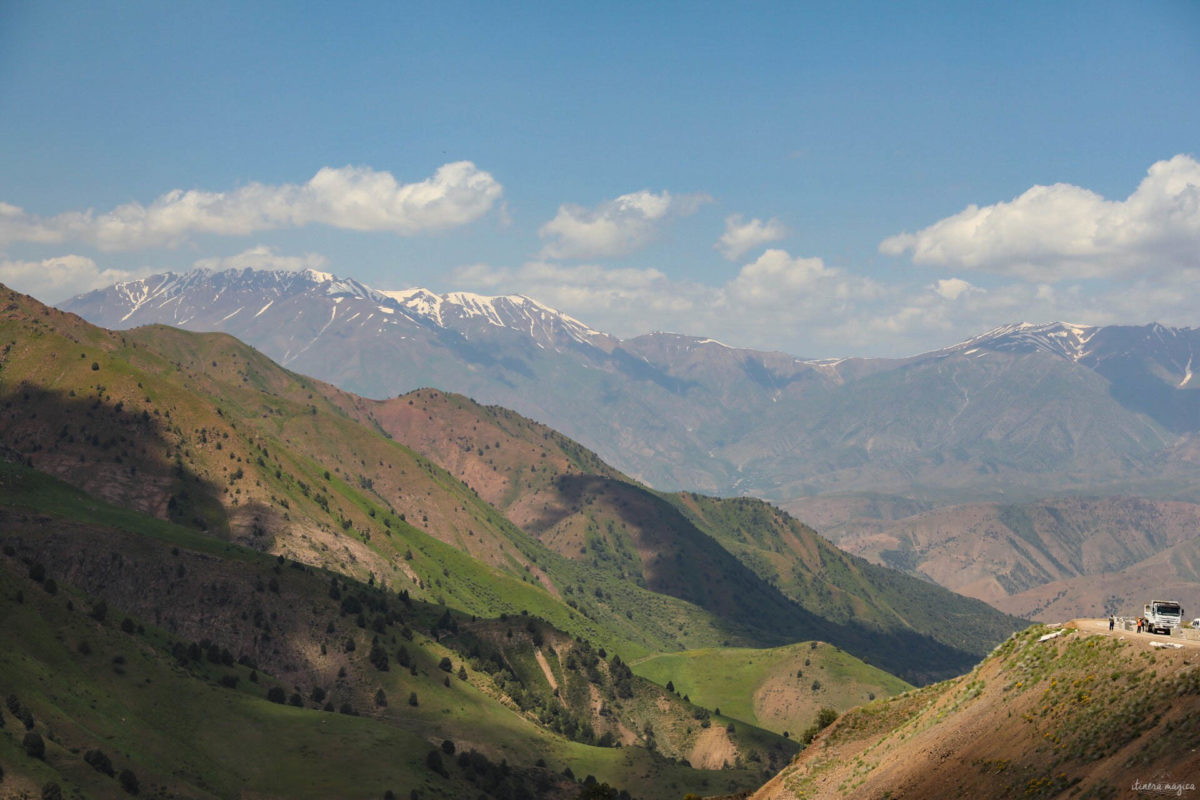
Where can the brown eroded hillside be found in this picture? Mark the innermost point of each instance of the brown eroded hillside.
(1082, 714)
(1055, 558)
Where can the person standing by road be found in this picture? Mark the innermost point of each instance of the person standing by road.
(1112, 623)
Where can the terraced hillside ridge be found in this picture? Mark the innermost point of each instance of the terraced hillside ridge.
(1061, 711)
(206, 669)
(206, 431)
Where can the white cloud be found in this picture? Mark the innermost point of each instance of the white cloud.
(53, 279)
(777, 279)
(952, 288)
(613, 228)
(354, 198)
(263, 257)
(763, 305)
(741, 237)
(1063, 232)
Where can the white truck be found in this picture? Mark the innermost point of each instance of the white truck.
(1162, 615)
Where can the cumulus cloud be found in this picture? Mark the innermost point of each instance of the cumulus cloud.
(740, 237)
(354, 198)
(263, 257)
(776, 278)
(613, 228)
(764, 304)
(1063, 232)
(54, 279)
(951, 288)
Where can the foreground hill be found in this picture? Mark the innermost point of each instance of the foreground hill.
(1084, 714)
(207, 669)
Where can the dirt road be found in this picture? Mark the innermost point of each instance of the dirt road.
(1101, 626)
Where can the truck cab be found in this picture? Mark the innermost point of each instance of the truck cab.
(1162, 615)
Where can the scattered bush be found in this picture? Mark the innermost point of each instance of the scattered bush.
(98, 761)
(52, 791)
(34, 746)
(379, 658)
(434, 762)
(276, 695)
(128, 781)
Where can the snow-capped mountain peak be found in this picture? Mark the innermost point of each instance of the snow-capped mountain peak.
(518, 312)
(1065, 339)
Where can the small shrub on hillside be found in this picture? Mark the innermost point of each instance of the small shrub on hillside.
(276, 695)
(379, 658)
(128, 781)
(381, 699)
(52, 791)
(50, 586)
(412, 699)
(97, 760)
(100, 611)
(127, 625)
(296, 700)
(445, 665)
(434, 762)
(34, 746)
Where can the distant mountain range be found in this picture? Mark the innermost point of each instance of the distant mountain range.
(1014, 413)
(966, 465)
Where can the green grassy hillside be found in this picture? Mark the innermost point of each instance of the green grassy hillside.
(160, 647)
(741, 558)
(780, 689)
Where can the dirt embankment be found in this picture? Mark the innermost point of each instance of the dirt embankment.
(1055, 712)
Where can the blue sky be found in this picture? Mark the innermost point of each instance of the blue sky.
(834, 179)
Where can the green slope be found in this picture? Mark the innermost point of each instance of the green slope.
(780, 689)
(135, 692)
